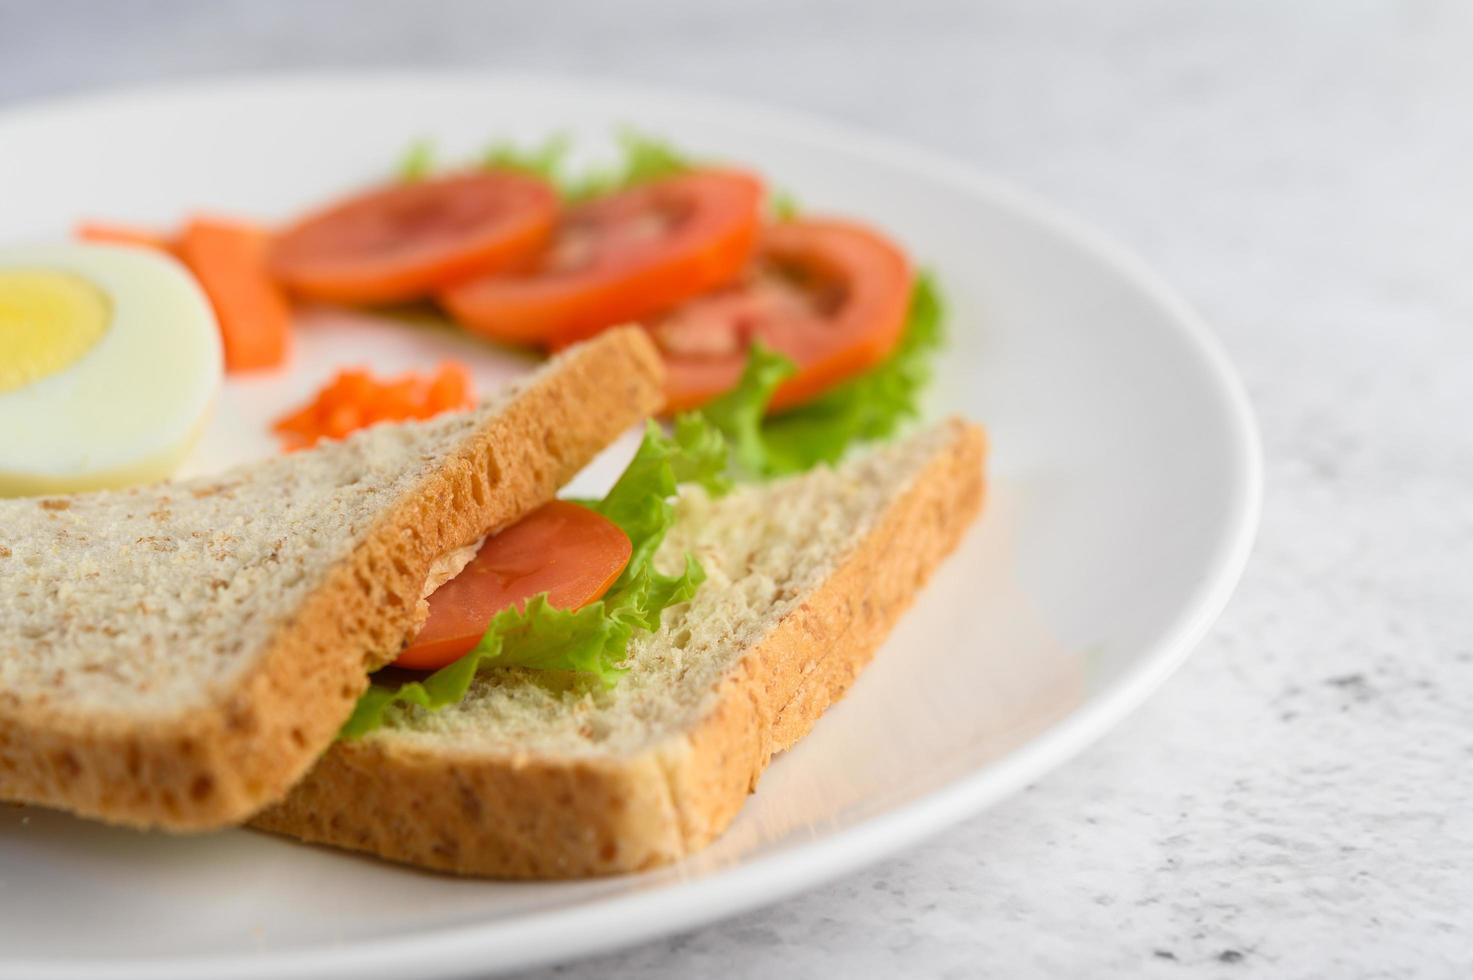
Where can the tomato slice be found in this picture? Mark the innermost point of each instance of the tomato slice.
(619, 258)
(570, 552)
(831, 295)
(404, 241)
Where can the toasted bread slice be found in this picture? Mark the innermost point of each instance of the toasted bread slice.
(178, 655)
(805, 578)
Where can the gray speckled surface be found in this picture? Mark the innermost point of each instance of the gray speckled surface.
(1294, 803)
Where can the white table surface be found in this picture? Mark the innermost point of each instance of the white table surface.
(1294, 803)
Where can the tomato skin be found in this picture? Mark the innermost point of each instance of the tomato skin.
(624, 257)
(403, 241)
(568, 551)
(862, 283)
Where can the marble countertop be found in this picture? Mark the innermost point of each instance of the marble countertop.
(1294, 803)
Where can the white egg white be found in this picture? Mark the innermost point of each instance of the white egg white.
(129, 409)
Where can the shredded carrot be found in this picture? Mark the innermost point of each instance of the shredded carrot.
(451, 388)
(353, 400)
(229, 260)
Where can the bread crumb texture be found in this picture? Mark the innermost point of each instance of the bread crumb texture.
(533, 776)
(152, 599)
(176, 655)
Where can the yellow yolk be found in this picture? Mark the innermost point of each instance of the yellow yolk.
(48, 319)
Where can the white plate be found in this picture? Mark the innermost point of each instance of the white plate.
(1125, 489)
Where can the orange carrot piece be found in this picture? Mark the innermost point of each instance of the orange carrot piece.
(450, 389)
(300, 423)
(353, 399)
(343, 420)
(107, 233)
(399, 399)
(229, 260)
(354, 386)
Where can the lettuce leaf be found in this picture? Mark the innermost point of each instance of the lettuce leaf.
(783, 205)
(593, 640)
(590, 641)
(418, 161)
(870, 407)
(739, 414)
(642, 158)
(546, 160)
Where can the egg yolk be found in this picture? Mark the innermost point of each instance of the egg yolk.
(48, 320)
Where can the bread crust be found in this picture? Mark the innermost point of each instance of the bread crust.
(215, 765)
(524, 816)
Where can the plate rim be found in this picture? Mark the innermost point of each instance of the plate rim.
(603, 925)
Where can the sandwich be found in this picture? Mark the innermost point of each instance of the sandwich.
(804, 577)
(252, 647)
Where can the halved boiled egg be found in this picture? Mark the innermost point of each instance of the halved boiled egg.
(110, 362)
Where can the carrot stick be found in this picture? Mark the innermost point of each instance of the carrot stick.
(229, 260)
(114, 234)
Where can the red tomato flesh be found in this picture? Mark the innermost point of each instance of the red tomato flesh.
(620, 258)
(570, 552)
(404, 241)
(831, 295)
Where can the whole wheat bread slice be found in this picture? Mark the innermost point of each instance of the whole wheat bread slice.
(178, 655)
(805, 578)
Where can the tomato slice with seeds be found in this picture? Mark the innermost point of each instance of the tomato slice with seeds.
(619, 258)
(568, 551)
(404, 241)
(831, 295)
